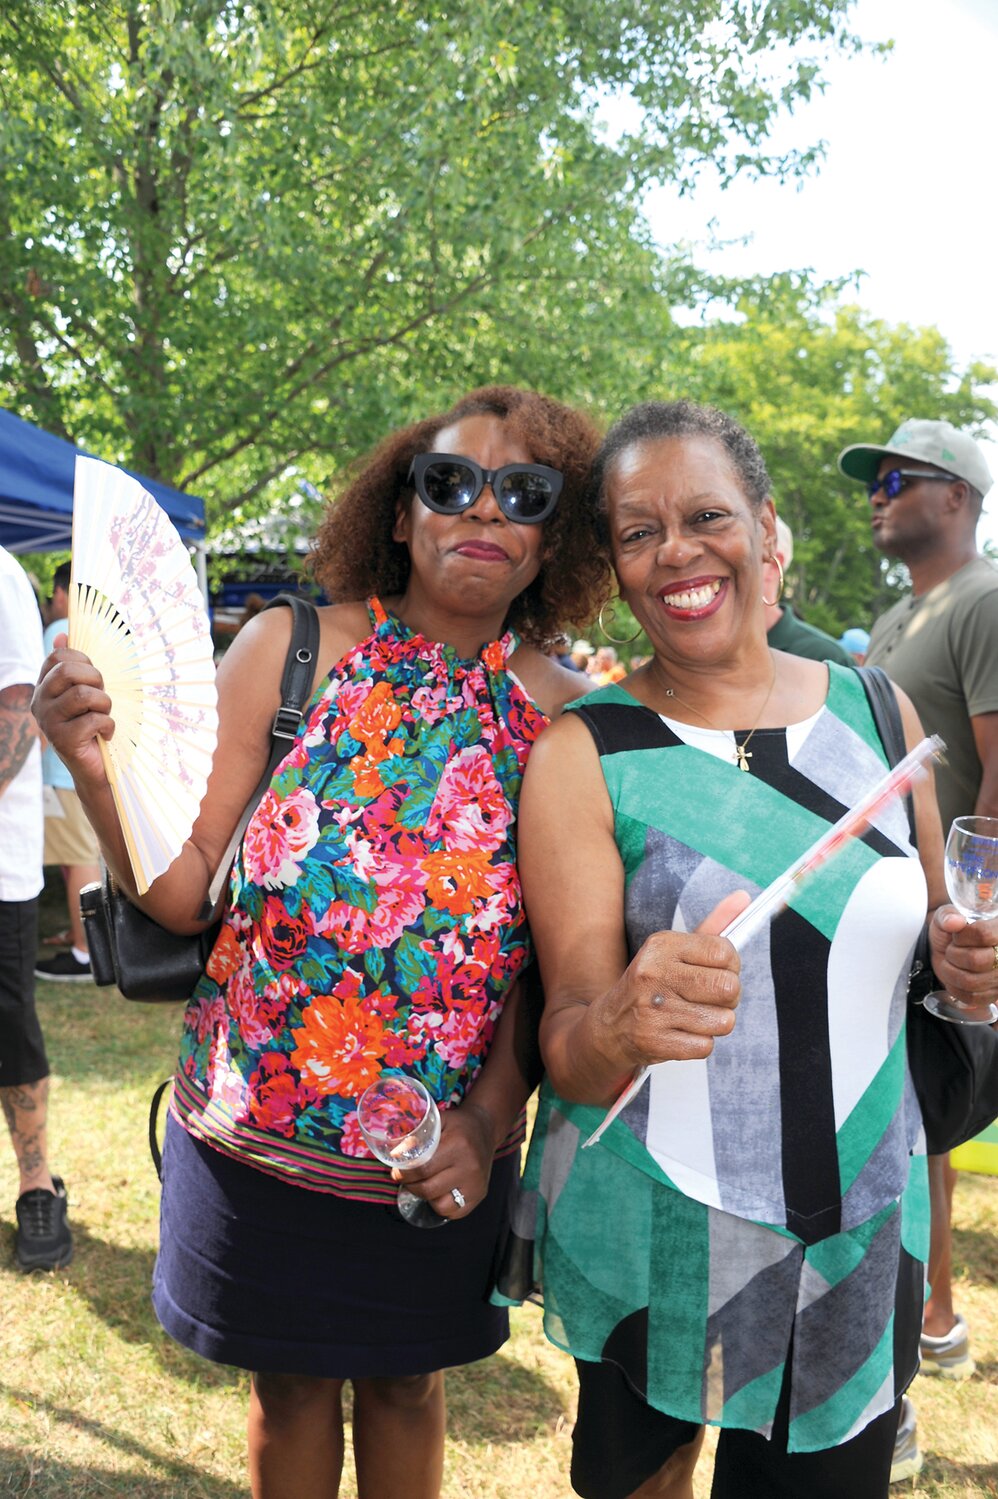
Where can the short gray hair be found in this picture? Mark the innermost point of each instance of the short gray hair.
(654, 420)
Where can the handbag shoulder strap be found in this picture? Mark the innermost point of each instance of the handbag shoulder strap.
(887, 717)
(296, 686)
(296, 680)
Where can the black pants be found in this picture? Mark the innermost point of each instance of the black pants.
(620, 1441)
(22, 1050)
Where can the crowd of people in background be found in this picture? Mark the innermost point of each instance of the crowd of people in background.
(601, 663)
(378, 870)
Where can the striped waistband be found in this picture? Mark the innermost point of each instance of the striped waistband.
(305, 1164)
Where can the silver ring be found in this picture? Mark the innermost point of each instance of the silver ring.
(458, 1196)
(995, 963)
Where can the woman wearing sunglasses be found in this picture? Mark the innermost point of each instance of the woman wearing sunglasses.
(375, 925)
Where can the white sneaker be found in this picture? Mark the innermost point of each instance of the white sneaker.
(948, 1355)
(907, 1460)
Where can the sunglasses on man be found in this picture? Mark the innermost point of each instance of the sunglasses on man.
(897, 479)
(449, 483)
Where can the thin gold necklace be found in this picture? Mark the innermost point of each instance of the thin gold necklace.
(742, 752)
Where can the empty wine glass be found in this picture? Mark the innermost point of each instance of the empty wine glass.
(401, 1124)
(972, 881)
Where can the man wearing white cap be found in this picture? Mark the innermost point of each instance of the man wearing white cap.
(926, 486)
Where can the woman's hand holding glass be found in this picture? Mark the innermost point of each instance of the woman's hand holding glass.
(401, 1124)
(461, 1164)
(442, 1162)
(965, 940)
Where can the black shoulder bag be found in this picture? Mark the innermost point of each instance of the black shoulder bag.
(127, 947)
(954, 1067)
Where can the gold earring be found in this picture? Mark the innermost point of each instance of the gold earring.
(617, 639)
(770, 603)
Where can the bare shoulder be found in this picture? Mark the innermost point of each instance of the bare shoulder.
(262, 642)
(249, 693)
(550, 684)
(564, 754)
(913, 731)
(255, 659)
(342, 626)
(564, 802)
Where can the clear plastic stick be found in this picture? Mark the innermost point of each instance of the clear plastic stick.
(772, 900)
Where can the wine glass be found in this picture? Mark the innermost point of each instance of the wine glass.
(972, 881)
(401, 1124)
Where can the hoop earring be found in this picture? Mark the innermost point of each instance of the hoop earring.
(771, 603)
(617, 639)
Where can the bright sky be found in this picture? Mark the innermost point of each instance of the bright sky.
(906, 192)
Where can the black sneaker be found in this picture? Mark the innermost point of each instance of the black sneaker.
(64, 968)
(44, 1241)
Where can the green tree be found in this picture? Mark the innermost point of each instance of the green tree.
(240, 239)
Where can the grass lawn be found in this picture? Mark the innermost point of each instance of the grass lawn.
(94, 1400)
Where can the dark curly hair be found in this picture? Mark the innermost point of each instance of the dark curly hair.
(355, 554)
(653, 420)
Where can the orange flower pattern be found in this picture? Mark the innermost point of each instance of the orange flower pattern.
(339, 1047)
(375, 917)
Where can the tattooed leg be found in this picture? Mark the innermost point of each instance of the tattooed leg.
(26, 1111)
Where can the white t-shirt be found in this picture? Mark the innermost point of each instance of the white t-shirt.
(21, 820)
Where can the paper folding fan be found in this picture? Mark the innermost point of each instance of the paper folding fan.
(136, 610)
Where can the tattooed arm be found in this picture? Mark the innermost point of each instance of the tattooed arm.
(17, 730)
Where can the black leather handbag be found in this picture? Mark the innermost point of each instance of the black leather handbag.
(128, 948)
(954, 1067)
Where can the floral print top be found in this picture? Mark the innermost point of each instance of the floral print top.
(375, 920)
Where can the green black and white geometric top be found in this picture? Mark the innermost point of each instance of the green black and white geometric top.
(775, 1192)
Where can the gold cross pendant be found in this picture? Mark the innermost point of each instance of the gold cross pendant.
(742, 757)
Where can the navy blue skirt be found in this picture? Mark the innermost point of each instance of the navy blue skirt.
(256, 1272)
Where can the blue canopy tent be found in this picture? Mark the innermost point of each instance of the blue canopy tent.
(36, 494)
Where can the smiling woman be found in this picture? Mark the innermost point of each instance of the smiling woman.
(375, 926)
(746, 1244)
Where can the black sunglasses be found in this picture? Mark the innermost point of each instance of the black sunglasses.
(897, 479)
(448, 483)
